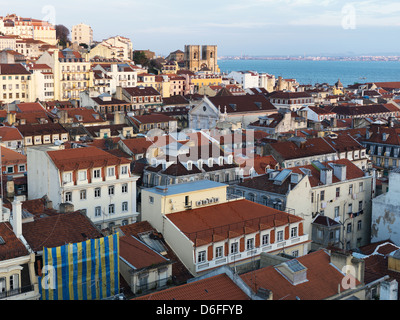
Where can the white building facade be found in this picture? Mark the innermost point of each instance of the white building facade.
(93, 181)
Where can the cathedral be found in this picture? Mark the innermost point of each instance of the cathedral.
(201, 58)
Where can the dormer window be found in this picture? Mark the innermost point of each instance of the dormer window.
(210, 162)
(67, 177)
(190, 165)
(220, 161)
(96, 173)
(124, 170)
(111, 171)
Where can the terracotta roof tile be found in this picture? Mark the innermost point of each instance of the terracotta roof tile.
(219, 287)
(58, 230)
(12, 247)
(221, 218)
(84, 158)
(323, 279)
(138, 254)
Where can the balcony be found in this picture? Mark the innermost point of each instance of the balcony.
(246, 254)
(17, 291)
(153, 286)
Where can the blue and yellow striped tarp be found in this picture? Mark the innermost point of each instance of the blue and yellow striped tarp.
(86, 270)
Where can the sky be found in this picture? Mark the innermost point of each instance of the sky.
(237, 27)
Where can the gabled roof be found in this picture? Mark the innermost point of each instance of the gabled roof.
(13, 69)
(10, 133)
(12, 246)
(11, 157)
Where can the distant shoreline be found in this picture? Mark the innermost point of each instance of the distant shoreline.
(316, 58)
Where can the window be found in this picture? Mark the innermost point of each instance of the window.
(82, 175)
(2, 284)
(97, 193)
(336, 212)
(322, 195)
(250, 244)
(14, 282)
(219, 252)
(125, 188)
(151, 199)
(360, 205)
(124, 170)
(97, 211)
(348, 227)
(337, 192)
(320, 233)
(124, 206)
(111, 190)
(361, 186)
(10, 169)
(312, 197)
(265, 239)
(111, 209)
(350, 208)
(68, 196)
(295, 253)
(96, 173)
(68, 177)
(201, 256)
(111, 172)
(293, 232)
(234, 248)
(359, 225)
(279, 236)
(350, 189)
(82, 194)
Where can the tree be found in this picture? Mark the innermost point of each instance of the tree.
(139, 57)
(62, 34)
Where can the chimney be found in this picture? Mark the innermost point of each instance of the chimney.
(339, 170)
(17, 217)
(326, 176)
(264, 294)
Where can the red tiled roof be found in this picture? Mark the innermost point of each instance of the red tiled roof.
(13, 247)
(30, 107)
(137, 145)
(13, 68)
(179, 271)
(138, 254)
(243, 103)
(199, 224)
(58, 230)
(352, 171)
(10, 134)
(84, 158)
(219, 287)
(152, 118)
(11, 157)
(141, 91)
(323, 279)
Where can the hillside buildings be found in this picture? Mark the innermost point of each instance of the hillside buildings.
(82, 33)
